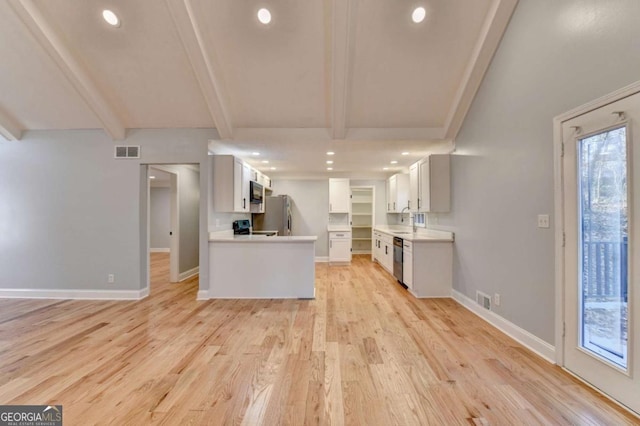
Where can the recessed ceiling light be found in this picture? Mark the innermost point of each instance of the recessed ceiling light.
(264, 16)
(265, 161)
(329, 162)
(255, 153)
(394, 162)
(329, 168)
(330, 153)
(273, 168)
(418, 14)
(405, 153)
(385, 168)
(152, 177)
(111, 18)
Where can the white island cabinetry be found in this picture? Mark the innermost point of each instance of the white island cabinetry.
(261, 267)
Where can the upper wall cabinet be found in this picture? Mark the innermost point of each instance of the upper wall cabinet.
(339, 196)
(231, 177)
(397, 193)
(430, 184)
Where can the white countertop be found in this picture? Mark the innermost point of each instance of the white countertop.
(218, 237)
(426, 235)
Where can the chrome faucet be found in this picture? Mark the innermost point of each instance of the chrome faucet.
(402, 213)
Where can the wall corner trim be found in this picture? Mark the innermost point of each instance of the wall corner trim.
(160, 250)
(203, 295)
(522, 336)
(322, 259)
(20, 293)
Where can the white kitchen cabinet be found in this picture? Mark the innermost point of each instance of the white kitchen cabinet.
(414, 186)
(397, 192)
(430, 184)
(231, 177)
(407, 264)
(386, 252)
(339, 195)
(339, 247)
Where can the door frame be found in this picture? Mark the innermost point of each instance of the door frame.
(558, 183)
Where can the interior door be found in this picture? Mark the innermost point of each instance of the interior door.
(601, 210)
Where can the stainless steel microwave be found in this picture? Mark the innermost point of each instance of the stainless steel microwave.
(256, 193)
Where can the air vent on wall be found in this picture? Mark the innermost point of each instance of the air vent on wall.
(483, 300)
(127, 151)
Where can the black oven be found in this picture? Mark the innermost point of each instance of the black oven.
(256, 191)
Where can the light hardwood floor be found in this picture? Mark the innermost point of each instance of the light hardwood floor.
(362, 353)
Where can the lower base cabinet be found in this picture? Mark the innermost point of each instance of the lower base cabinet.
(339, 246)
(427, 266)
(407, 264)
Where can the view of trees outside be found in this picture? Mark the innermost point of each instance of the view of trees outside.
(604, 238)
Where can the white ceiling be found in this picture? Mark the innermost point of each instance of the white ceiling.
(353, 76)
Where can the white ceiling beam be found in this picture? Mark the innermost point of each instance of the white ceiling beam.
(53, 44)
(354, 134)
(491, 33)
(343, 17)
(203, 63)
(9, 127)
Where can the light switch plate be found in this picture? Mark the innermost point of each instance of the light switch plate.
(543, 221)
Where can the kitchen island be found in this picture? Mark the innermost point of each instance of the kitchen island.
(261, 267)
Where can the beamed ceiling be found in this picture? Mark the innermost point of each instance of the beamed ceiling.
(357, 77)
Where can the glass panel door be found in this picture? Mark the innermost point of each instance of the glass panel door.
(603, 234)
(601, 208)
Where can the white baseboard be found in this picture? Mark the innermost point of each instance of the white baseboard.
(322, 259)
(159, 250)
(188, 274)
(20, 293)
(522, 336)
(203, 295)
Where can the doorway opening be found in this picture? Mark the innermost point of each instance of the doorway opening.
(173, 224)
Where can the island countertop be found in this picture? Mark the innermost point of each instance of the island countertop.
(258, 238)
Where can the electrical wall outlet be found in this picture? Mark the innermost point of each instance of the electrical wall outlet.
(543, 221)
(496, 299)
(111, 278)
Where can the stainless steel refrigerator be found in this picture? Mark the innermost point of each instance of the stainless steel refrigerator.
(276, 216)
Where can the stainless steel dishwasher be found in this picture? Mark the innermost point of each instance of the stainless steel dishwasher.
(397, 259)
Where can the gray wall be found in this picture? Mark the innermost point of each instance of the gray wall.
(555, 55)
(160, 218)
(75, 214)
(310, 213)
(310, 210)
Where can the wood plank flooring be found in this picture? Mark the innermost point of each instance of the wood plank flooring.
(363, 352)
